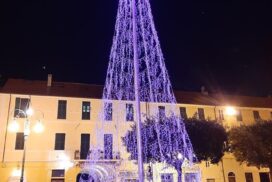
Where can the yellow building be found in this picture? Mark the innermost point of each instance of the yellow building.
(70, 115)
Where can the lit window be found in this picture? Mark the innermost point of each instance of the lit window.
(86, 110)
(21, 104)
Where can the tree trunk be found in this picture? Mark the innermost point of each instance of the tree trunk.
(179, 175)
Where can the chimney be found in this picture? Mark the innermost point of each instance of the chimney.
(49, 80)
(204, 91)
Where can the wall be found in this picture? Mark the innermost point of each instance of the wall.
(42, 158)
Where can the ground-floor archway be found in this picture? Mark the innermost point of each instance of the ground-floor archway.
(82, 177)
(97, 173)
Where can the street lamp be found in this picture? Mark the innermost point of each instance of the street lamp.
(14, 127)
(231, 111)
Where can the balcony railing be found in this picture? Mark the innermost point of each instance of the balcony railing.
(96, 155)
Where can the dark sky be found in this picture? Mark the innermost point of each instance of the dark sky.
(226, 46)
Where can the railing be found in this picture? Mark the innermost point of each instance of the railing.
(97, 155)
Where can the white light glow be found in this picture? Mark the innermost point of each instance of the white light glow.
(65, 161)
(16, 173)
(29, 111)
(180, 156)
(14, 126)
(230, 111)
(38, 128)
(27, 128)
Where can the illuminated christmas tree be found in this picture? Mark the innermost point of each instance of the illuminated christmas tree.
(137, 72)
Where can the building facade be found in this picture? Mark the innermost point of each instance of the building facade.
(70, 114)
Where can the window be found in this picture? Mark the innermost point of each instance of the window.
(221, 115)
(231, 177)
(108, 111)
(57, 180)
(201, 114)
(60, 141)
(264, 177)
(183, 113)
(191, 177)
(256, 115)
(19, 144)
(86, 110)
(21, 104)
(210, 180)
(239, 116)
(108, 146)
(84, 146)
(161, 112)
(249, 177)
(129, 112)
(62, 109)
(57, 175)
(167, 177)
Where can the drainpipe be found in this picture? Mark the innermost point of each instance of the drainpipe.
(222, 164)
(223, 171)
(215, 117)
(6, 131)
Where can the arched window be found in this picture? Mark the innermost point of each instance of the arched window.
(231, 177)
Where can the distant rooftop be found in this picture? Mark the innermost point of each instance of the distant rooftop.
(66, 89)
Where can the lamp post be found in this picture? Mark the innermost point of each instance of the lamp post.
(14, 127)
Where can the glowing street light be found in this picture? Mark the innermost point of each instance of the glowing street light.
(230, 111)
(38, 128)
(29, 111)
(15, 173)
(14, 127)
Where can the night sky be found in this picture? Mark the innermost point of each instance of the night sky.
(225, 46)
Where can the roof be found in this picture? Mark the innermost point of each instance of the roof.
(63, 89)
(80, 90)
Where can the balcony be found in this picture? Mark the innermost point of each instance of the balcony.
(97, 156)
